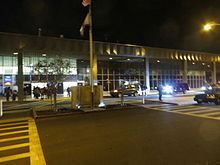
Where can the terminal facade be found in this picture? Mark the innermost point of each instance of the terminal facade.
(114, 63)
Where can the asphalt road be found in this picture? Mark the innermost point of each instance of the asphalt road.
(136, 136)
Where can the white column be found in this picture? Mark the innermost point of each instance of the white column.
(214, 73)
(185, 71)
(147, 74)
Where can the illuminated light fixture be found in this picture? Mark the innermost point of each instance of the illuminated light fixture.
(189, 58)
(208, 66)
(203, 63)
(15, 53)
(193, 63)
(177, 57)
(207, 27)
(115, 51)
(172, 56)
(193, 58)
(185, 58)
(44, 54)
(110, 58)
(143, 52)
(108, 51)
(181, 57)
(137, 52)
(128, 59)
(82, 61)
(158, 60)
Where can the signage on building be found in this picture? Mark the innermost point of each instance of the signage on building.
(7, 80)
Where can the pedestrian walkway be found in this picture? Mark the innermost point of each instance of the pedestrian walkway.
(19, 142)
(204, 111)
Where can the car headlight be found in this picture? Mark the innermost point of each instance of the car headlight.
(168, 89)
(203, 88)
(209, 87)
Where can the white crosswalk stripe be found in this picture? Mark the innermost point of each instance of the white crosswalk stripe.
(203, 111)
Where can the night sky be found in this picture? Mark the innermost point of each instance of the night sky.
(159, 23)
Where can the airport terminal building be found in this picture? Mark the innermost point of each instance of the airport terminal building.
(113, 63)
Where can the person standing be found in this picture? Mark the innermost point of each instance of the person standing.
(68, 91)
(14, 95)
(160, 91)
(7, 93)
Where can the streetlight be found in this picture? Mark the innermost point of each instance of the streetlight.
(209, 26)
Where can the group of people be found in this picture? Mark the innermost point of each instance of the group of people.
(10, 93)
(42, 92)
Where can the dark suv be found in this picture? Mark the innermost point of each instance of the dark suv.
(180, 87)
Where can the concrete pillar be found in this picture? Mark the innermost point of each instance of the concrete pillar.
(214, 73)
(95, 69)
(20, 79)
(147, 74)
(185, 71)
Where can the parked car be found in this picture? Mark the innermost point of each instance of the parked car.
(176, 88)
(181, 87)
(130, 90)
(210, 95)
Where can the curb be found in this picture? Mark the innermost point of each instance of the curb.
(35, 116)
(161, 102)
(18, 102)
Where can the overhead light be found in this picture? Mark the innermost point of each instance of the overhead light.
(193, 63)
(128, 59)
(44, 55)
(203, 63)
(15, 53)
(158, 60)
(110, 58)
(208, 66)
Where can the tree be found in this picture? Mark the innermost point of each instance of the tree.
(52, 71)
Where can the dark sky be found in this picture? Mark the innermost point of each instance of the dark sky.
(158, 23)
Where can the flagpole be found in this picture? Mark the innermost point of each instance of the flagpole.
(91, 55)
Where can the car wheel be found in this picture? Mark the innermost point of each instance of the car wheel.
(135, 94)
(217, 101)
(199, 102)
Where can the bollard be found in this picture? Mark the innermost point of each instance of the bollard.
(143, 94)
(122, 99)
(1, 110)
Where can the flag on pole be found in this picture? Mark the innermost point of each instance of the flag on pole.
(86, 2)
(86, 22)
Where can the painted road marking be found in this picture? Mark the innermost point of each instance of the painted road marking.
(14, 146)
(16, 111)
(14, 138)
(13, 124)
(12, 132)
(37, 156)
(35, 153)
(17, 127)
(14, 157)
(191, 110)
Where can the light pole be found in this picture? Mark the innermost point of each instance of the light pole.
(207, 27)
